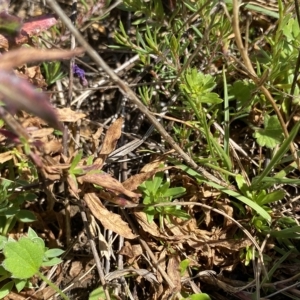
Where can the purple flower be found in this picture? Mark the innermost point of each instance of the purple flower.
(81, 74)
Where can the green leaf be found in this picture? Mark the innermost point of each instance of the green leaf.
(52, 262)
(273, 197)
(23, 258)
(289, 233)
(183, 266)
(156, 182)
(271, 135)
(201, 296)
(100, 294)
(242, 185)
(164, 188)
(20, 284)
(54, 252)
(5, 289)
(75, 161)
(198, 86)
(40, 242)
(242, 91)
(3, 240)
(150, 213)
(180, 214)
(31, 233)
(174, 192)
(25, 216)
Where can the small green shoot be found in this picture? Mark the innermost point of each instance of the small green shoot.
(157, 191)
(53, 72)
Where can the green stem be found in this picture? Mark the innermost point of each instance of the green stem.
(53, 286)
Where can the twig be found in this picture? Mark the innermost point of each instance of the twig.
(95, 254)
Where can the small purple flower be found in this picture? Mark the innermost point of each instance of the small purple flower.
(81, 74)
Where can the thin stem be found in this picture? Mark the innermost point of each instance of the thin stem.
(53, 286)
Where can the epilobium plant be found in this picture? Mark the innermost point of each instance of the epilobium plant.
(157, 191)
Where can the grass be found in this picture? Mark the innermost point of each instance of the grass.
(173, 150)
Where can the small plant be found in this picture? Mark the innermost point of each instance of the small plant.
(52, 72)
(157, 191)
(23, 259)
(10, 203)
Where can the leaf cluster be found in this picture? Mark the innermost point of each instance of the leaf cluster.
(157, 191)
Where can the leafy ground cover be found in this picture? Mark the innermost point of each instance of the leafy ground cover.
(149, 149)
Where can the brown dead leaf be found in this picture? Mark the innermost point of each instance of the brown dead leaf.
(40, 133)
(34, 75)
(6, 156)
(73, 186)
(173, 270)
(233, 245)
(118, 200)
(96, 137)
(108, 182)
(52, 168)
(134, 181)
(151, 228)
(68, 115)
(108, 219)
(85, 132)
(15, 58)
(156, 163)
(53, 146)
(110, 141)
(133, 252)
(221, 205)
(75, 269)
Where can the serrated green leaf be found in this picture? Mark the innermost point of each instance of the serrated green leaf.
(211, 98)
(23, 258)
(3, 240)
(242, 90)
(271, 135)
